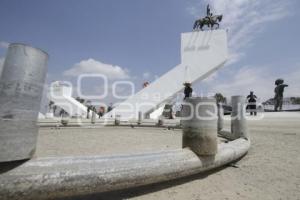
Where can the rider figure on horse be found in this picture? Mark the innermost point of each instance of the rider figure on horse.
(208, 14)
(209, 20)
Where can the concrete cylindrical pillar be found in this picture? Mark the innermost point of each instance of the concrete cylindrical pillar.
(117, 120)
(238, 119)
(21, 89)
(93, 119)
(220, 117)
(199, 125)
(139, 118)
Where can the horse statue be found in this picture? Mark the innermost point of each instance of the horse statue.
(209, 21)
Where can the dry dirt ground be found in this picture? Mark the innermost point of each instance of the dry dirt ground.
(271, 169)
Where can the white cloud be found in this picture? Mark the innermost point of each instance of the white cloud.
(292, 79)
(246, 79)
(257, 79)
(146, 75)
(4, 44)
(91, 66)
(1, 65)
(211, 78)
(244, 19)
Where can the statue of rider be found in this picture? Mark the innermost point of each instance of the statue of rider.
(208, 10)
(279, 94)
(208, 14)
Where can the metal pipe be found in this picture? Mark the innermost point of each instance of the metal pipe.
(21, 89)
(117, 120)
(220, 117)
(49, 178)
(93, 119)
(140, 118)
(199, 125)
(239, 127)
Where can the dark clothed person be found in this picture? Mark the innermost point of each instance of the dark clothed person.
(252, 103)
(188, 91)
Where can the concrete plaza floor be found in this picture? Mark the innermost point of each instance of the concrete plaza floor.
(271, 169)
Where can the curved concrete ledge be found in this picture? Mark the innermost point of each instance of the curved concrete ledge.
(226, 134)
(46, 178)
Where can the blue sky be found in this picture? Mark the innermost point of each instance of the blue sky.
(140, 39)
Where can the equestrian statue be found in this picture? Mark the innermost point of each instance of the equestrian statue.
(210, 20)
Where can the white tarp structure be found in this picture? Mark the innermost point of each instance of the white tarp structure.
(202, 53)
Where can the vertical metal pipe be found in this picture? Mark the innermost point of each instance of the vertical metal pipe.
(220, 117)
(117, 120)
(139, 118)
(239, 127)
(21, 89)
(93, 119)
(199, 124)
(160, 121)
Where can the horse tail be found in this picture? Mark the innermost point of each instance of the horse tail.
(197, 23)
(220, 18)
